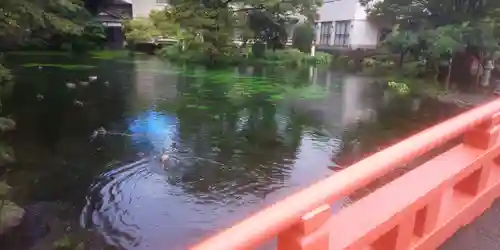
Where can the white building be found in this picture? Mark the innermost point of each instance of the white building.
(142, 8)
(344, 24)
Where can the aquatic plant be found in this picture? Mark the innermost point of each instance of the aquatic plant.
(61, 66)
(112, 54)
(400, 87)
(37, 53)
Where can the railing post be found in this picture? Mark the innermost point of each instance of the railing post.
(484, 136)
(293, 238)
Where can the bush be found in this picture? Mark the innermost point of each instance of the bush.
(303, 37)
(294, 57)
(322, 58)
(203, 54)
(231, 55)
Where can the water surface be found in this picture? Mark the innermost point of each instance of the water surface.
(239, 139)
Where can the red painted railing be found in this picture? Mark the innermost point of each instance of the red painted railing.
(418, 210)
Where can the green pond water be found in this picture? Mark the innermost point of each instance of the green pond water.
(239, 140)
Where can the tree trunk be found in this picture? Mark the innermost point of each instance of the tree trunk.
(448, 77)
(479, 71)
(401, 58)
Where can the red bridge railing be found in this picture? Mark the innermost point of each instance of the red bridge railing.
(418, 210)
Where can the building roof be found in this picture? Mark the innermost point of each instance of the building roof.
(120, 1)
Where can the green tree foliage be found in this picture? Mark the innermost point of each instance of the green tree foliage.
(435, 30)
(32, 22)
(211, 25)
(141, 30)
(158, 24)
(166, 27)
(441, 23)
(303, 37)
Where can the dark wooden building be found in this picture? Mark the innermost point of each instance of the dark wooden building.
(112, 14)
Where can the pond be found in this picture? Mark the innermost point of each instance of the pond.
(91, 132)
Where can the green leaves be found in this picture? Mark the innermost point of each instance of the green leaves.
(401, 40)
(435, 29)
(53, 14)
(141, 30)
(27, 21)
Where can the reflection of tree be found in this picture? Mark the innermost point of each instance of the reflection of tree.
(395, 122)
(55, 160)
(256, 155)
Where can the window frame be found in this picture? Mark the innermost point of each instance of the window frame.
(342, 33)
(325, 34)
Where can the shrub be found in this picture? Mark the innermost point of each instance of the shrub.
(294, 57)
(203, 53)
(232, 55)
(303, 37)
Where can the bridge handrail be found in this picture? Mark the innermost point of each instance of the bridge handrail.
(276, 218)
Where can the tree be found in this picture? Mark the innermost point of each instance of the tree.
(401, 42)
(21, 19)
(435, 30)
(166, 27)
(216, 21)
(25, 22)
(303, 37)
(140, 30)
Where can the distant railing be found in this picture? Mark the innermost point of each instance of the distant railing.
(418, 210)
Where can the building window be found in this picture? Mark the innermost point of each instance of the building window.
(342, 33)
(326, 33)
(162, 1)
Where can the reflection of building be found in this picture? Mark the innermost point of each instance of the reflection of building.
(153, 82)
(355, 99)
(344, 24)
(349, 100)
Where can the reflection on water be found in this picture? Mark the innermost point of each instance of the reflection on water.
(154, 128)
(236, 143)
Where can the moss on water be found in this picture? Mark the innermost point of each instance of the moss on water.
(38, 53)
(95, 54)
(61, 66)
(112, 54)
